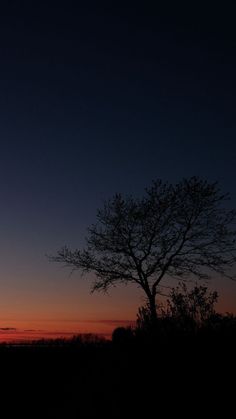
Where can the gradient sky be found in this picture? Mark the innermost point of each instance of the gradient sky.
(95, 101)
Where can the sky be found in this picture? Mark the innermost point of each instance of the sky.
(95, 100)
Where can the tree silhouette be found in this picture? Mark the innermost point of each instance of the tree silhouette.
(174, 231)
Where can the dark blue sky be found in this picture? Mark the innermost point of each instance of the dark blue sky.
(95, 100)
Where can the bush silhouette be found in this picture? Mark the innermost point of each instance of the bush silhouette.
(122, 336)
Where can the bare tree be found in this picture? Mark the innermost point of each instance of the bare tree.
(174, 231)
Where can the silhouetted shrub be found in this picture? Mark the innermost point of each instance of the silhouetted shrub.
(122, 336)
(188, 313)
(191, 309)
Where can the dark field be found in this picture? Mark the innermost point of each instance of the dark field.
(178, 378)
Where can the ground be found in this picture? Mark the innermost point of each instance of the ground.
(117, 382)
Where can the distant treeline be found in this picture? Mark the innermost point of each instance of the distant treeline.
(83, 339)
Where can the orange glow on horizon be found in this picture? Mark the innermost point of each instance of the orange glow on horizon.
(53, 330)
(57, 308)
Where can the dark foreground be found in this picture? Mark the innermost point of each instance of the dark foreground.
(179, 378)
